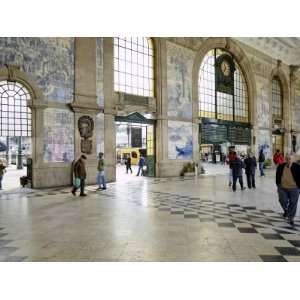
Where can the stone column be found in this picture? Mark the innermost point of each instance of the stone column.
(109, 109)
(37, 110)
(85, 100)
(162, 107)
(291, 126)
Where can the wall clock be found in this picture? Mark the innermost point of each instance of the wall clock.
(224, 72)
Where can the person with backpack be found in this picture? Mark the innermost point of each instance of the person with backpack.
(261, 162)
(250, 168)
(237, 166)
(288, 185)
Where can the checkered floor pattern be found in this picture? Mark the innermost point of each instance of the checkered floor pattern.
(244, 219)
(247, 220)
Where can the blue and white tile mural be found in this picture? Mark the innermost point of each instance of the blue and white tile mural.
(58, 135)
(99, 71)
(49, 61)
(263, 105)
(179, 81)
(264, 142)
(180, 140)
(99, 131)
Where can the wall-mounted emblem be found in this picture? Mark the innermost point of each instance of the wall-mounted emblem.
(86, 127)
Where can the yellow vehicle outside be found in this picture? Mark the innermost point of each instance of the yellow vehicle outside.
(124, 152)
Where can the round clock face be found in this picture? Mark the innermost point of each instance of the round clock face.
(225, 67)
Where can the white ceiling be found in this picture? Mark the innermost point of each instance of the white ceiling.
(286, 49)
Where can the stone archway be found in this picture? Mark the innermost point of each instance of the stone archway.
(14, 74)
(244, 63)
(241, 58)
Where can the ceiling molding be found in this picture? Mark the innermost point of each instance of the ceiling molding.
(286, 49)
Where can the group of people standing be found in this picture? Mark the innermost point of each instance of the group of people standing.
(287, 178)
(236, 166)
(80, 174)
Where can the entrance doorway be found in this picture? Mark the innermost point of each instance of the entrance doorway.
(277, 142)
(15, 133)
(134, 145)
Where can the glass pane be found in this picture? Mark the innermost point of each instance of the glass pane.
(136, 63)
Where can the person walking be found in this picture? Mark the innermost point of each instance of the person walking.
(250, 168)
(79, 171)
(261, 162)
(237, 166)
(101, 173)
(231, 157)
(2, 171)
(141, 165)
(278, 158)
(288, 184)
(128, 164)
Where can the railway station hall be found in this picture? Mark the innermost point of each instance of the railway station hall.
(149, 149)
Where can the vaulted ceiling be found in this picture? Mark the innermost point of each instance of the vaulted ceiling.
(286, 49)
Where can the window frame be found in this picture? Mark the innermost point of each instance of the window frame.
(15, 114)
(134, 66)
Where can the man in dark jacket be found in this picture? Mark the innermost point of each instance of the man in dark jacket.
(128, 164)
(237, 166)
(250, 168)
(288, 183)
(79, 171)
(261, 162)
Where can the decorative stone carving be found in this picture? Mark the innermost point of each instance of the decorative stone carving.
(86, 127)
(86, 146)
(12, 72)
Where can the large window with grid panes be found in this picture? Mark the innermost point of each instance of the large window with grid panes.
(15, 115)
(214, 104)
(134, 66)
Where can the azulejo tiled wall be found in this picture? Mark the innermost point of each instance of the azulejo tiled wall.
(49, 61)
(179, 81)
(263, 104)
(180, 140)
(58, 135)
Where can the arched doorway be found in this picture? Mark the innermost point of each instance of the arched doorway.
(15, 131)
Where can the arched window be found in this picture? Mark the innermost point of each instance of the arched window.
(15, 115)
(276, 98)
(219, 105)
(134, 66)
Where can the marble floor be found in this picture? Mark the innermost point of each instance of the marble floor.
(148, 219)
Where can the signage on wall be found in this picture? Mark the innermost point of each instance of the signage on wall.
(136, 137)
(224, 74)
(222, 133)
